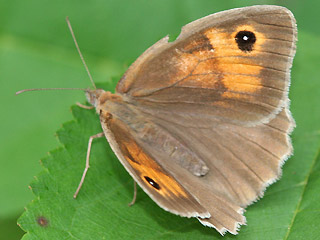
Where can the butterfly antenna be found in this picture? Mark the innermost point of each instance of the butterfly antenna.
(78, 49)
(45, 89)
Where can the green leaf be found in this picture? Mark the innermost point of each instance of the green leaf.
(36, 50)
(289, 209)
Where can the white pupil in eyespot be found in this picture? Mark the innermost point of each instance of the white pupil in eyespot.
(245, 38)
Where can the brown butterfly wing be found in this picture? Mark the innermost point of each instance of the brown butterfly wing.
(231, 66)
(146, 171)
(164, 159)
(243, 161)
(162, 165)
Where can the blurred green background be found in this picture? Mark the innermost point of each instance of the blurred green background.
(36, 50)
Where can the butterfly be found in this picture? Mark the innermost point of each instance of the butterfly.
(202, 123)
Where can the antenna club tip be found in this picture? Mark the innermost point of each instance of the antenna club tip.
(67, 18)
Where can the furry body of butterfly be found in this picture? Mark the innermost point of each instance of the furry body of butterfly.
(202, 124)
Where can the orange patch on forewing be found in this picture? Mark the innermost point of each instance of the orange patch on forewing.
(225, 57)
(147, 167)
(230, 65)
(241, 78)
(224, 43)
(245, 84)
(230, 62)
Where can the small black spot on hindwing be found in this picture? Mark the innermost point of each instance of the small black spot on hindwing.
(245, 40)
(152, 182)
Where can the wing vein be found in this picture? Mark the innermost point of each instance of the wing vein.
(255, 143)
(238, 83)
(246, 64)
(170, 101)
(235, 156)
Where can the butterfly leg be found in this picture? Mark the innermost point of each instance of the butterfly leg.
(84, 106)
(87, 162)
(134, 193)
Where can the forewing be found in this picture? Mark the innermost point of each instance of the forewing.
(211, 73)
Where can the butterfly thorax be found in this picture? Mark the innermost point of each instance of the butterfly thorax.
(99, 97)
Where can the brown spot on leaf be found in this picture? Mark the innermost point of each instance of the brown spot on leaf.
(43, 221)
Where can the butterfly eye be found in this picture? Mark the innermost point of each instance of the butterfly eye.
(152, 182)
(245, 40)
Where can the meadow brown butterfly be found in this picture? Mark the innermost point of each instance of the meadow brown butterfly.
(202, 123)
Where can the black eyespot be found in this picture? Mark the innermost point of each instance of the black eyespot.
(245, 40)
(152, 182)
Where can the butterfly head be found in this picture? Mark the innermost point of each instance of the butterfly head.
(93, 96)
(99, 97)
